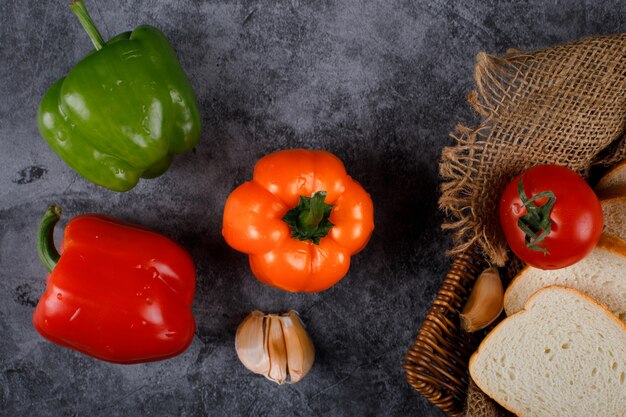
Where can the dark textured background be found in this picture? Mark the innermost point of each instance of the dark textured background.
(379, 83)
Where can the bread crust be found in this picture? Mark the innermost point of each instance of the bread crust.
(613, 244)
(612, 191)
(607, 241)
(610, 174)
(522, 311)
(605, 191)
(610, 199)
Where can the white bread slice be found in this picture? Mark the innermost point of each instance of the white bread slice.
(613, 183)
(601, 275)
(614, 213)
(563, 355)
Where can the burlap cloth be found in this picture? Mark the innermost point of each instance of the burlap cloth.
(563, 105)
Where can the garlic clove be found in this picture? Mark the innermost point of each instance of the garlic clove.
(485, 302)
(300, 350)
(277, 347)
(277, 350)
(250, 344)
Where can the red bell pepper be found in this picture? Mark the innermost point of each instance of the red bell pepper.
(117, 292)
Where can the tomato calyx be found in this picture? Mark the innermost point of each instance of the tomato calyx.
(310, 219)
(536, 223)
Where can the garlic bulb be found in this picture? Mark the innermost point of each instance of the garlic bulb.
(485, 302)
(277, 347)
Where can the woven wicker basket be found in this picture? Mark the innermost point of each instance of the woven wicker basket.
(436, 365)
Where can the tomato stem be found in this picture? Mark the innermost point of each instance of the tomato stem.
(536, 223)
(45, 240)
(309, 220)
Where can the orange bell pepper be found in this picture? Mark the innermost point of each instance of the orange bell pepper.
(299, 220)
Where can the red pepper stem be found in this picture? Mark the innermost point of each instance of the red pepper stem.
(45, 240)
(310, 219)
(79, 9)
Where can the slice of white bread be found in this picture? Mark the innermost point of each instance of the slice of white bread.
(601, 275)
(563, 355)
(614, 213)
(613, 183)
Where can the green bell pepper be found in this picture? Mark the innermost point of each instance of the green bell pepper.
(123, 111)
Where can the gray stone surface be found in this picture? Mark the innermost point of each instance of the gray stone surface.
(379, 83)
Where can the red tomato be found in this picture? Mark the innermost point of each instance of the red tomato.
(561, 215)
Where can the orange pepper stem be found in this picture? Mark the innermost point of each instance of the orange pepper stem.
(45, 240)
(309, 220)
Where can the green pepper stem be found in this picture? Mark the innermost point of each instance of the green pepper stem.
(45, 240)
(79, 9)
(310, 219)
